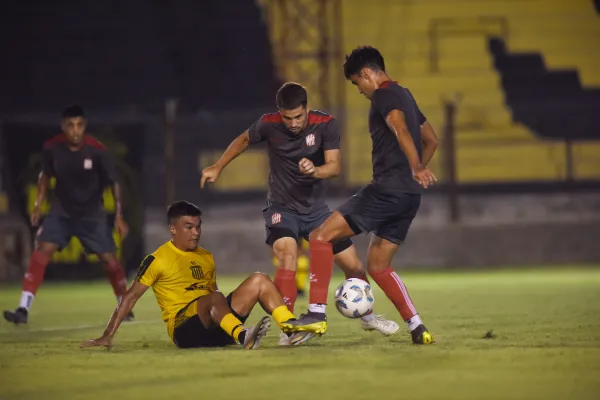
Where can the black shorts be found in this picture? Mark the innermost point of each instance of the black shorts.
(192, 333)
(282, 222)
(95, 234)
(388, 214)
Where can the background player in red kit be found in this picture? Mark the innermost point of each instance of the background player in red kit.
(83, 167)
(403, 144)
(303, 150)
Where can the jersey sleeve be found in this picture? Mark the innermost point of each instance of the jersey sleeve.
(384, 101)
(257, 132)
(108, 167)
(422, 118)
(48, 161)
(331, 136)
(149, 271)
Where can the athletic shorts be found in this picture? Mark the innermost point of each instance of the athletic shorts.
(95, 234)
(282, 222)
(190, 332)
(388, 214)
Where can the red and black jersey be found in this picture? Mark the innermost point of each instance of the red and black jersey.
(81, 175)
(390, 165)
(288, 187)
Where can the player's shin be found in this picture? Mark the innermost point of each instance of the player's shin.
(233, 327)
(117, 277)
(286, 285)
(394, 289)
(33, 278)
(321, 270)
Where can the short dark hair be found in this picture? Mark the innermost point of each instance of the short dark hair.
(180, 209)
(291, 95)
(363, 57)
(73, 112)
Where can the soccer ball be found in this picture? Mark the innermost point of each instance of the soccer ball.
(354, 298)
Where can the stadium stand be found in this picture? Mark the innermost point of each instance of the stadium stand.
(440, 49)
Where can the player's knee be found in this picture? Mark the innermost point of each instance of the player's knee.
(108, 259)
(260, 278)
(47, 249)
(320, 235)
(355, 266)
(375, 267)
(286, 255)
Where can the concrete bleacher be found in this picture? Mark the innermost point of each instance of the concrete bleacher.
(494, 143)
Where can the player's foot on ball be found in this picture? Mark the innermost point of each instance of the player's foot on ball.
(380, 324)
(130, 317)
(19, 316)
(420, 335)
(309, 322)
(257, 332)
(295, 339)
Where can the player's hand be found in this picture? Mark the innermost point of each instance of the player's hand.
(307, 167)
(424, 177)
(210, 174)
(121, 226)
(99, 342)
(35, 217)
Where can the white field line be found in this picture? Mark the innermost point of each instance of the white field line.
(71, 328)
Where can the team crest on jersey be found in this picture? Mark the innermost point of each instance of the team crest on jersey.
(87, 163)
(275, 218)
(310, 140)
(197, 272)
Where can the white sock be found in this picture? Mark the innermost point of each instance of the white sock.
(369, 317)
(26, 300)
(318, 308)
(413, 322)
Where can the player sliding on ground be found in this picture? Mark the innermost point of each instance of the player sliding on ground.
(304, 150)
(183, 278)
(403, 144)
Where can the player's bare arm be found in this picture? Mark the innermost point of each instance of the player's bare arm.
(235, 148)
(430, 143)
(396, 122)
(42, 188)
(330, 169)
(120, 224)
(136, 291)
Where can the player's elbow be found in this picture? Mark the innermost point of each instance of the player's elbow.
(432, 142)
(336, 169)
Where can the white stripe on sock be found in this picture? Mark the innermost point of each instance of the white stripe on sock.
(407, 299)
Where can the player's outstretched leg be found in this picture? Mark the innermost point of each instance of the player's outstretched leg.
(350, 264)
(116, 276)
(258, 288)
(381, 252)
(31, 283)
(333, 229)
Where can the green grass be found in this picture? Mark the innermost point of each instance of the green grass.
(547, 346)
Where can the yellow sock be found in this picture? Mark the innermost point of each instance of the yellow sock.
(232, 326)
(302, 273)
(281, 314)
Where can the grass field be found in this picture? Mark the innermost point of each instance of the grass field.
(547, 346)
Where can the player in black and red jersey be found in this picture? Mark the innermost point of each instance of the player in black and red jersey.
(304, 149)
(83, 167)
(403, 144)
